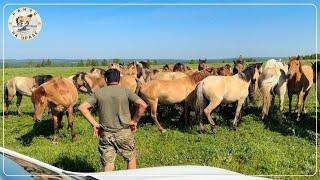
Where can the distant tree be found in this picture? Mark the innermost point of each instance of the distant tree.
(104, 62)
(80, 63)
(30, 63)
(116, 60)
(192, 61)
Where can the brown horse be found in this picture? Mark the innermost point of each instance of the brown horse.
(224, 70)
(300, 80)
(60, 95)
(96, 80)
(316, 77)
(202, 64)
(170, 91)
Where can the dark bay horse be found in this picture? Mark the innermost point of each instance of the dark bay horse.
(21, 86)
(60, 95)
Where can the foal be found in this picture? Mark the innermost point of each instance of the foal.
(299, 83)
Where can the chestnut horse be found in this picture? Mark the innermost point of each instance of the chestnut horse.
(60, 95)
(224, 70)
(170, 91)
(214, 90)
(300, 80)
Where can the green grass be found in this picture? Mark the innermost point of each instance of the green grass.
(278, 146)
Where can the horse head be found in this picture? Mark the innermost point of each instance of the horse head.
(202, 64)
(179, 67)
(238, 66)
(294, 66)
(40, 102)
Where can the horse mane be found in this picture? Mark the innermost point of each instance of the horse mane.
(40, 79)
(145, 64)
(198, 76)
(248, 73)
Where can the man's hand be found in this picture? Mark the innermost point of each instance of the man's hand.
(96, 128)
(133, 126)
(84, 109)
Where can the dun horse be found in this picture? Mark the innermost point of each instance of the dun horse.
(224, 70)
(170, 91)
(214, 90)
(60, 95)
(272, 82)
(21, 86)
(299, 83)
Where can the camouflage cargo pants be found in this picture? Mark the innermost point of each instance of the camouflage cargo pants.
(121, 142)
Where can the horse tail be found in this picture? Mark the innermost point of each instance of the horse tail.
(200, 100)
(266, 91)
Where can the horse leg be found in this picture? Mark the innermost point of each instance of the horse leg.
(55, 127)
(70, 123)
(60, 126)
(238, 111)
(298, 107)
(19, 99)
(281, 101)
(304, 99)
(207, 111)
(290, 101)
(153, 106)
(8, 100)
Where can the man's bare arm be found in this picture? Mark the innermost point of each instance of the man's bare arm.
(84, 109)
(140, 108)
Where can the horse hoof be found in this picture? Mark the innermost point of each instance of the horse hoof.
(163, 131)
(234, 127)
(202, 131)
(74, 138)
(214, 131)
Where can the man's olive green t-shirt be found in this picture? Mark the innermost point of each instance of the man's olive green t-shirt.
(113, 107)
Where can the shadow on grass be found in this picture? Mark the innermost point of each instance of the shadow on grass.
(75, 164)
(168, 116)
(42, 128)
(14, 113)
(287, 124)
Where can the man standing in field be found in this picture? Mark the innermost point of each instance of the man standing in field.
(116, 128)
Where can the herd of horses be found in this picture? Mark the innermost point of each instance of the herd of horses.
(201, 90)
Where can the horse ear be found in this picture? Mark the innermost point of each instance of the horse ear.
(234, 62)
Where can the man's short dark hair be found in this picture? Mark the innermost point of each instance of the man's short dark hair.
(112, 75)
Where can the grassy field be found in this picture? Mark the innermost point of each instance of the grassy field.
(279, 146)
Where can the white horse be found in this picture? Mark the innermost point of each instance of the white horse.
(272, 82)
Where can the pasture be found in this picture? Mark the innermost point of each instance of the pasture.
(279, 146)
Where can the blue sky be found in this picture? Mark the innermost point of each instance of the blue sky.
(179, 32)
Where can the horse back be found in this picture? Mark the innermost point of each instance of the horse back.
(61, 91)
